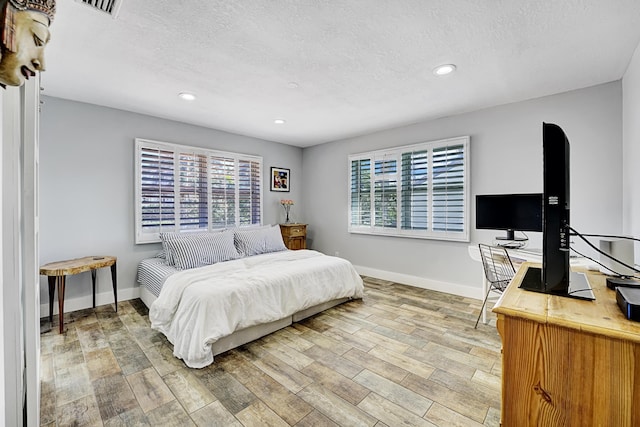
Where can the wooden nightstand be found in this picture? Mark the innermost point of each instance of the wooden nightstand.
(294, 235)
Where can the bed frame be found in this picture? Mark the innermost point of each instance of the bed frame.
(252, 333)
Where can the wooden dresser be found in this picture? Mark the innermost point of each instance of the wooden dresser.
(567, 362)
(294, 235)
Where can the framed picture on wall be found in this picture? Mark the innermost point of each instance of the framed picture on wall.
(280, 179)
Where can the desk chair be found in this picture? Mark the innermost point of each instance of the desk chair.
(498, 271)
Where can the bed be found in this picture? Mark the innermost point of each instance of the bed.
(211, 307)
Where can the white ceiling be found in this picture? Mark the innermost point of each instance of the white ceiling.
(359, 65)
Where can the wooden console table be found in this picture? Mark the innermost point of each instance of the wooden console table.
(567, 362)
(57, 272)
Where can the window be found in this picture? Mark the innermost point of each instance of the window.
(180, 188)
(417, 190)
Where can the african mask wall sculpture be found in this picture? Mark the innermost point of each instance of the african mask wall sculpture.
(25, 34)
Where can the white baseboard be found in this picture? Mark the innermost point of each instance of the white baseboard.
(80, 303)
(421, 282)
(74, 304)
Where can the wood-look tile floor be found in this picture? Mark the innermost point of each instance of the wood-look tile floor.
(401, 356)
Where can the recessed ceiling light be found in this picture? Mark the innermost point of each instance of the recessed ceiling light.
(279, 121)
(293, 85)
(187, 96)
(443, 70)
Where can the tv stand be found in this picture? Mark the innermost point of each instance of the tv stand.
(566, 361)
(579, 286)
(511, 235)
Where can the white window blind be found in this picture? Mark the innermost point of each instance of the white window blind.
(386, 191)
(448, 188)
(156, 187)
(223, 191)
(193, 191)
(415, 190)
(182, 189)
(360, 196)
(249, 195)
(419, 190)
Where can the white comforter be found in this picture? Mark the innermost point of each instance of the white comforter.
(197, 307)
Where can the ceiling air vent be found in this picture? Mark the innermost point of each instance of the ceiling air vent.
(112, 7)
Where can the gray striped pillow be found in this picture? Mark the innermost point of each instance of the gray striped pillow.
(171, 236)
(273, 239)
(202, 249)
(259, 241)
(249, 242)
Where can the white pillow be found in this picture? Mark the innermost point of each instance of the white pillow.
(202, 249)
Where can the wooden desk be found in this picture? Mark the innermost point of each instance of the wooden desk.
(57, 272)
(567, 362)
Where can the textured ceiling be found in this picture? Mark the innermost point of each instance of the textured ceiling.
(359, 65)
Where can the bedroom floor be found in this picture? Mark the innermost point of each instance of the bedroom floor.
(402, 355)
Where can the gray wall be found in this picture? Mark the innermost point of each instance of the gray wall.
(86, 183)
(506, 156)
(631, 150)
(87, 187)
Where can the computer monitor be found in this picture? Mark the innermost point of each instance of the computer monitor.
(555, 276)
(509, 212)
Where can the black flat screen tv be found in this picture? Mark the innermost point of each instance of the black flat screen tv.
(509, 212)
(555, 277)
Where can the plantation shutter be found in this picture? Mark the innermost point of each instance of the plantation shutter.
(249, 179)
(360, 192)
(157, 192)
(193, 192)
(418, 190)
(183, 189)
(448, 188)
(223, 192)
(386, 192)
(256, 192)
(415, 194)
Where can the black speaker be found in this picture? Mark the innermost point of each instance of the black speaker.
(629, 302)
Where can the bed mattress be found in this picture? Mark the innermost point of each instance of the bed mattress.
(199, 306)
(153, 272)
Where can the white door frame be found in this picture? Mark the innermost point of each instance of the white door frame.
(20, 324)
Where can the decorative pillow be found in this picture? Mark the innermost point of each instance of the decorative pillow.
(167, 237)
(273, 239)
(249, 242)
(202, 249)
(259, 241)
